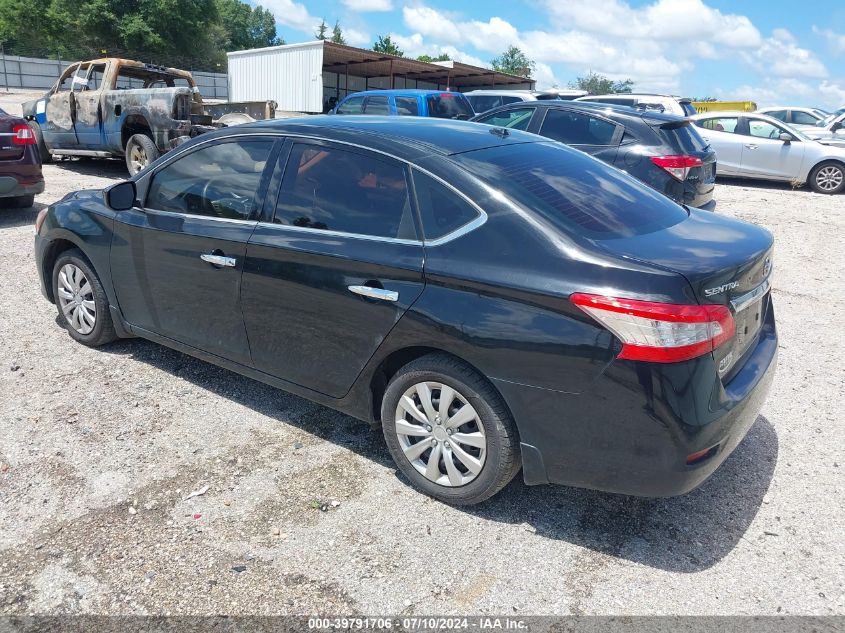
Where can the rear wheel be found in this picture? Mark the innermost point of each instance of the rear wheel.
(828, 178)
(140, 152)
(82, 302)
(449, 431)
(46, 157)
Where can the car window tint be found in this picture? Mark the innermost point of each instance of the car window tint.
(726, 124)
(573, 191)
(684, 139)
(334, 189)
(575, 128)
(441, 209)
(764, 129)
(376, 105)
(448, 105)
(407, 106)
(803, 118)
(219, 181)
(515, 119)
(780, 115)
(507, 100)
(482, 103)
(353, 105)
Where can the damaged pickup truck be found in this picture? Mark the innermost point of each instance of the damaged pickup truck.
(120, 108)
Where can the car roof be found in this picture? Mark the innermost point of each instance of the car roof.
(589, 106)
(400, 91)
(503, 91)
(408, 138)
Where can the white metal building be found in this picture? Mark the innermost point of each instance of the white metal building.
(309, 77)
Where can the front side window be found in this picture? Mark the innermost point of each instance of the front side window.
(442, 210)
(377, 105)
(407, 106)
(516, 119)
(575, 128)
(95, 77)
(721, 124)
(764, 129)
(352, 105)
(333, 189)
(67, 79)
(219, 181)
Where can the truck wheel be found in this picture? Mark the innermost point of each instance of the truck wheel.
(140, 152)
(46, 157)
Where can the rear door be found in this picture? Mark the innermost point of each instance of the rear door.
(589, 133)
(722, 134)
(764, 155)
(332, 267)
(177, 261)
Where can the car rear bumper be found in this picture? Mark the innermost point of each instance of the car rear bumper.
(11, 187)
(634, 431)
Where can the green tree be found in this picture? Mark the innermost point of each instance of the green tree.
(597, 84)
(337, 33)
(514, 62)
(322, 30)
(386, 45)
(442, 57)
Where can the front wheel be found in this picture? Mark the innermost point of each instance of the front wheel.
(82, 302)
(828, 178)
(140, 152)
(449, 431)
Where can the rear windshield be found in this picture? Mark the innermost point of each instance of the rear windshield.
(575, 192)
(449, 106)
(684, 138)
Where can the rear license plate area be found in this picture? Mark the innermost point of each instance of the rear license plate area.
(749, 322)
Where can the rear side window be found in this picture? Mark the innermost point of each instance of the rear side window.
(572, 191)
(219, 181)
(376, 105)
(721, 124)
(515, 119)
(482, 103)
(507, 100)
(802, 118)
(683, 138)
(780, 115)
(449, 105)
(576, 128)
(333, 189)
(441, 209)
(353, 105)
(407, 106)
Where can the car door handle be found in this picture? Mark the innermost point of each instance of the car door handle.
(751, 146)
(219, 260)
(375, 293)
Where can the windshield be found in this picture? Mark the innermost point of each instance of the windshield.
(575, 192)
(448, 105)
(830, 118)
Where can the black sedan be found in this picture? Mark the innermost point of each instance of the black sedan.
(20, 163)
(495, 300)
(663, 150)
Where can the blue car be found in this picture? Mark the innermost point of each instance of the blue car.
(428, 103)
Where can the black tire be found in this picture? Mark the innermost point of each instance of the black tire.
(822, 177)
(18, 202)
(502, 459)
(140, 146)
(46, 157)
(103, 330)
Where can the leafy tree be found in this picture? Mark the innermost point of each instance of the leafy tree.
(442, 57)
(386, 45)
(322, 30)
(337, 34)
(513, 62)
(597, 84)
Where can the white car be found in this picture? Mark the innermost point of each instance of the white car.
(830, 130)
(794, 115)
(483, 100)
(661, 103)
(753, 145)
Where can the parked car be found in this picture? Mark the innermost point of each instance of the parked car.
(669, 104)
(795, 115)
(428, 103)
(752, 145)
(830, 130)
(664, 151)
(121, 108)
(484, 100)
(20, 165)
(494, 300)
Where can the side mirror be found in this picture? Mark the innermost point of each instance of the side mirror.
(121, 197)
(786, 137)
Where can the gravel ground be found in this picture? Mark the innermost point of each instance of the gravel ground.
(305, 513)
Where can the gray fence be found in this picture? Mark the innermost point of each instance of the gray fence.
(35, 74)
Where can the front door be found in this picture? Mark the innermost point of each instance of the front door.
(177, 261)
(333, 268)
(765, 155)
(60, 112)
(89, 116)
(723, 135)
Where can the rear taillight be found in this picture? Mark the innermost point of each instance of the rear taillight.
(23, 135)
(678, 166)
(660, 332)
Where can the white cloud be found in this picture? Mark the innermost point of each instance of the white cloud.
(368, 5)
(354, 37)
(835, 41)
(780, 56)
(783, 92)
(415, 45)
(292, 14)
(492, 36)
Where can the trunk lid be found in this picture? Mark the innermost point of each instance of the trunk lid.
(726, 262)
(8, 149)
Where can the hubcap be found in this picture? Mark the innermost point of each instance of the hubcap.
(138, 158)
(441, 434)
(829, 178)
(76, 299)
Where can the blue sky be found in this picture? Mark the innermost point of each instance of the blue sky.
(768, 51)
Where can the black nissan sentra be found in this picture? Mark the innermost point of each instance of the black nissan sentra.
(496, 300)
